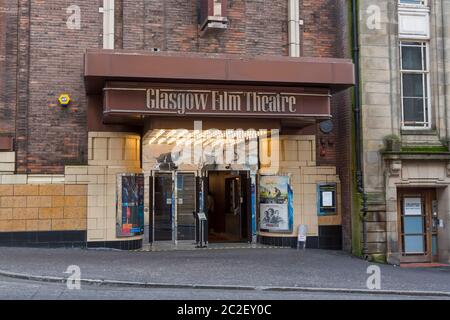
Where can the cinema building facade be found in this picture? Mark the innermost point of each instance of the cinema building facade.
(135, 138)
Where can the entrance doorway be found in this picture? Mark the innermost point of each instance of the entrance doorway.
(418, 224)
(227, 205)
(173, 199)
(163, 211)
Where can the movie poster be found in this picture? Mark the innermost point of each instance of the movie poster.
(130, 205)
(275, 204)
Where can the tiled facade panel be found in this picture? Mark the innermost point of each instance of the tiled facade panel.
(53, 207)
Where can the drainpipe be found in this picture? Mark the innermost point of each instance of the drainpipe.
(444, 66)
(108, 24)
(358, 123)
(294, 27)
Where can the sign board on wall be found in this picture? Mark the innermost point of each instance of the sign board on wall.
(216, 101)
(413, 206)
(130, 205)
(275, 204)
(326, 196)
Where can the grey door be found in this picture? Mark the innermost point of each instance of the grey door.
(163, 222)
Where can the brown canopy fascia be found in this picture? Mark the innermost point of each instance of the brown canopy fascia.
(122, 65)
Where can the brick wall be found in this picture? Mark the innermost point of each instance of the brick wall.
(257, 27)
(56, 207)
(321, 28)
(8, 47)
(50, 59)
(339, 152)
(344, 142)
(41, 66)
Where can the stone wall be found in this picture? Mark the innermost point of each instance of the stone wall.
(417, 174)
(381, 112)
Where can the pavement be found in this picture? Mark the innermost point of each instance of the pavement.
(16, 289)
(243, 270)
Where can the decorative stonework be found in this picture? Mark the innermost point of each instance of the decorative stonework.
(395, 168)
(448, 169)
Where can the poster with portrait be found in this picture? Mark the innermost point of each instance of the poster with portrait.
(275, 204)
(130, 205)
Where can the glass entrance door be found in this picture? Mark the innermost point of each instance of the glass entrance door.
(185, 206)
(163, 222)
(413, 218)
(418, 239)
(174, 204)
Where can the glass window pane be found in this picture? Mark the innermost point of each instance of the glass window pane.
(413, 85)
(163, 207)
(412, 224)
(413, 110)
(414, 244)
(412, 1)
(434, 245)
(424, 58)
(186, 185)
(411, 58)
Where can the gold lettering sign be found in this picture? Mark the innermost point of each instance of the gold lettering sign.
(185, 101)
(220, 102)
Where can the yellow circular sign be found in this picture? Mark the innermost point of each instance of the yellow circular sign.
(64, 100)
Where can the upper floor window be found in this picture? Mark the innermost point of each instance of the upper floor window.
(415, 83)
(414, 2)
(217, 8)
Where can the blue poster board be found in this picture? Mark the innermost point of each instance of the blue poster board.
(130, 205)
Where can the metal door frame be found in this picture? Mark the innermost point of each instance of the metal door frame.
(174, 174)
(153, 174)
(175, 196)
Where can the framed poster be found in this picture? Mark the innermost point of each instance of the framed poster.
(326, 196)
(130, 205)
(275, 204)
(327, 199)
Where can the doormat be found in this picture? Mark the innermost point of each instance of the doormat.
(423, 265)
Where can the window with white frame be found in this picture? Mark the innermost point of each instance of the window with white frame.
(413, 2)
(415, 83)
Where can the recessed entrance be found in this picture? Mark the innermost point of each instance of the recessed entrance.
(227, 205)
(418, 223)
(175, 197)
